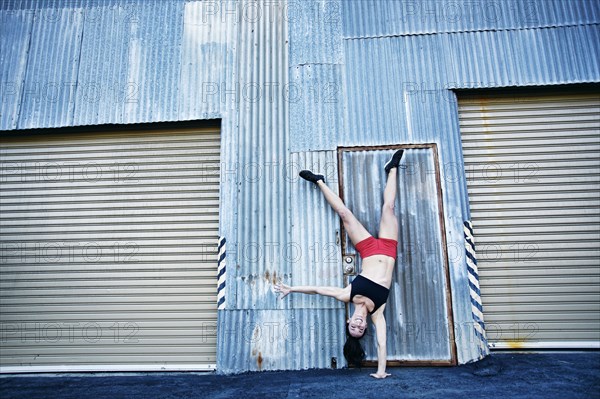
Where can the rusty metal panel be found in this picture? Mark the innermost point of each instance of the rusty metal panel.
(418, 312)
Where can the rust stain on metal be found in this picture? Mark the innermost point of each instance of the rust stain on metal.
(274, 278)
(515, 344)
(271, 278)
(259, 360)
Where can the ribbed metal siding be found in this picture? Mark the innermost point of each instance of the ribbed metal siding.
(260, 164)
(315, 248)
(525, 57)
(532, 164)
(225, 46)
(399, 86)
(393, 18)
(404, 73)
(397, 91)
(256, 218)
(108, 257)
(296, 339)
(417, 311)
(90, 62)
(15, 30)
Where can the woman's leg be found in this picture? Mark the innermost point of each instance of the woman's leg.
(388, 227)
(353, 227)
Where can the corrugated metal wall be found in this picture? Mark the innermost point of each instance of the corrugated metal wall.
(396, 18)
(347, 85)
(316, 241)
(400, 64)
(87, 62)
(135, 61)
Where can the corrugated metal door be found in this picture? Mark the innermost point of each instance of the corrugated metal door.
(533, 164)
(418, 311)
(108, 255)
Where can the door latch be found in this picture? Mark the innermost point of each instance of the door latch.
(349, 264)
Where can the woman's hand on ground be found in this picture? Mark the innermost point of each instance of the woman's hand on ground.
(282, 289)
(380, 375)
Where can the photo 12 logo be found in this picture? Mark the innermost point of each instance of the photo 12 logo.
(76, 332)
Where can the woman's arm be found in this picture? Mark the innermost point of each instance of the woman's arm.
(341, 294)
(381, 327)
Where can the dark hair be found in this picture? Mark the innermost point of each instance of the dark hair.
(353, 351)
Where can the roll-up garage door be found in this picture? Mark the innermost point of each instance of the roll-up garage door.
(109, 250)
(532, 164)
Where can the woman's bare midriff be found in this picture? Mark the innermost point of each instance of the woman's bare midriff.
(379, 269)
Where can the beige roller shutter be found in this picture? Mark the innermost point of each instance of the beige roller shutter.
(533, 163)
(108, 250)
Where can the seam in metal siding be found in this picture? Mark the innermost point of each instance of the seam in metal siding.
(109, 250)
(318, 117)
(50, 100)
(533, 163)
(15, 31)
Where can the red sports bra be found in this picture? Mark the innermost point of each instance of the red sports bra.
(377, 246)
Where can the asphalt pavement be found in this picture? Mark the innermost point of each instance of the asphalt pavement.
(570, 375)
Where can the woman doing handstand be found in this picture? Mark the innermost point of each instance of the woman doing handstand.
(370, 289)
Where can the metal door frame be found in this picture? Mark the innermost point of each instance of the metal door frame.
(449, 313)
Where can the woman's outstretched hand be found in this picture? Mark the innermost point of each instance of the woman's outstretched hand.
(282, 289)
(380, 375)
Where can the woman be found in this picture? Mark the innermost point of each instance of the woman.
(370, 289)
